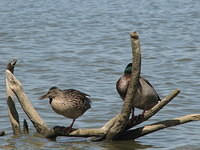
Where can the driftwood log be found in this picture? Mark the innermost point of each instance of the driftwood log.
(12, 112)
(119, 127)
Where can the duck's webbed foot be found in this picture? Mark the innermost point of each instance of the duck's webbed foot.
(70, 129)
(61, 130)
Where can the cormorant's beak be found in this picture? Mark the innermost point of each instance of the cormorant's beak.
(45, 96)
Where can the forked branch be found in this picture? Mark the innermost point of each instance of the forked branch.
(117, 128)
(12, 112)
(148, 114)
(141, 131)
(121, 120)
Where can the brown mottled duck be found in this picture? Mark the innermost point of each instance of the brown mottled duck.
(69, 103)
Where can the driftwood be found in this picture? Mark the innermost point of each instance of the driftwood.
(117, 128)
(12, 112)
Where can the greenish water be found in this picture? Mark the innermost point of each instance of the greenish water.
(85, 45)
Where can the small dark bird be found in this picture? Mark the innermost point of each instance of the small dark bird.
(69, 103)
(146, 95)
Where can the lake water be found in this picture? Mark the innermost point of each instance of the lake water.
(85, 45)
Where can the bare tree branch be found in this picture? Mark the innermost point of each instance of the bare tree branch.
(117, 127)
(12, 112)
(148, 114)
(38, 122)
(141, 131)
(121, 120)
(14, 85)
(11, 65)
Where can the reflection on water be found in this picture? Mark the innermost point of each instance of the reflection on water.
(37, 142)
(85, 45)
(128, 145)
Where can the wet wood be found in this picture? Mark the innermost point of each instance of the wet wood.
(121, 120)
(11, 65)
(141, 131)
(39, 124)
(148, 114)
(12, 112)
(15, 86)
(61, 131)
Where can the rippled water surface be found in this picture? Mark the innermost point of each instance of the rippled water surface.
(85, 45)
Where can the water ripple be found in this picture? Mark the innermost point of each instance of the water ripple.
(86, 45)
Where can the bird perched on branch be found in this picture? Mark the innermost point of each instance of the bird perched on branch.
(69, 103)
(146, 95)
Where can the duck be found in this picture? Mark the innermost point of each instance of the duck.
(146, 96)
(70, 103)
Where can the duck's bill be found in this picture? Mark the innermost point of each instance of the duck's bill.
(45, 96)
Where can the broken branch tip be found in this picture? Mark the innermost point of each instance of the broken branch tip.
(134, 35)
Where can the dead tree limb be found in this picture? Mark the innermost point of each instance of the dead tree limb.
(12, 112)
(14, 85)
(148, 114)
(147, 129)
(40, 125)
(121, 120)
(117, 128)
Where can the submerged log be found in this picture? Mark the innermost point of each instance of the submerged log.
(118, 127)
